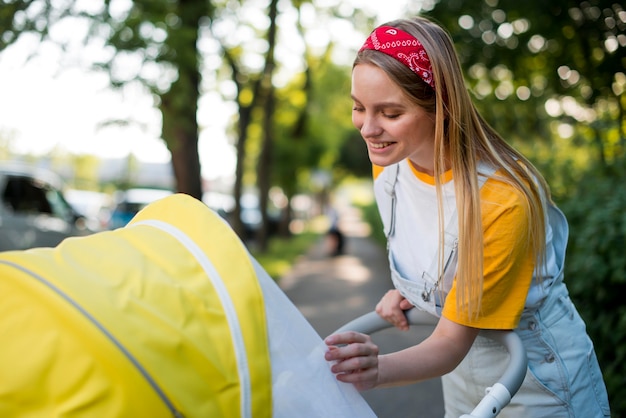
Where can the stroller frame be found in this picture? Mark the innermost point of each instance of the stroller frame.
(500, 393)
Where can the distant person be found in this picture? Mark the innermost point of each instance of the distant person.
(473, 237)
(336, 237)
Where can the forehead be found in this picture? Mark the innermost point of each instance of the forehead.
(372, 84)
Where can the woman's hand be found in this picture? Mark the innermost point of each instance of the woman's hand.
(355, 359)
(391, 308)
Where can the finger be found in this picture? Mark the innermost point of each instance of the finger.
(362, 379)
(347, 337)
(354, 364)
(399, 320)
(352, 350)
(384, 311)
(405, 304)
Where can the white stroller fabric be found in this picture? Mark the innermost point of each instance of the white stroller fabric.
(303, 385)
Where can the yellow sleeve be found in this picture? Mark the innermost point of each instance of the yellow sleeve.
(508, 260)
(376, 170)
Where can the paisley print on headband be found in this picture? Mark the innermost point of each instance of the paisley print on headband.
(403, 47)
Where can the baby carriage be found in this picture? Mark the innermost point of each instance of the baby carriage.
(169, 316)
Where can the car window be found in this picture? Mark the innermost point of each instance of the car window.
(23, 196)
(60, 207)
(28, 196)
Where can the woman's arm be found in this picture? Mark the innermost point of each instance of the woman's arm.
(358, 362)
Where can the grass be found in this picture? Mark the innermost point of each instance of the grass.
(282, 253)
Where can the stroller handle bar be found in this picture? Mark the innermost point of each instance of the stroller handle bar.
(497, 396)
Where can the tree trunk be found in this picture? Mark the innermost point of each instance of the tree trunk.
(265, 158)
(264, 167)
(186, 164)
(179, 106)
(244, 121)
(245, 118)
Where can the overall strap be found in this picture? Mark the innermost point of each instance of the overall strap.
(390, 188)
(484, 172)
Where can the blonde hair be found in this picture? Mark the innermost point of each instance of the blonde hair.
(462, 139)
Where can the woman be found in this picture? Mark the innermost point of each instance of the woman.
(473, 238)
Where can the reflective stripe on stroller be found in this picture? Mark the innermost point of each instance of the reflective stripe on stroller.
(169, 316)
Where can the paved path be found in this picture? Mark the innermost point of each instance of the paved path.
(331, 291)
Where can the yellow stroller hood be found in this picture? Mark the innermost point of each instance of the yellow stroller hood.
(169, 316)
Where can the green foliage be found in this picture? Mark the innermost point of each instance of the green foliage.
(595, 270)
(372, 218)
(283, 252)
(534, 64)
(353, 157)
(20, 16)
(312, 126)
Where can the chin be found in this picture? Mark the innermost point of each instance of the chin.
(383, 161)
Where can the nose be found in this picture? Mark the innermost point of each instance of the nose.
(369, 126)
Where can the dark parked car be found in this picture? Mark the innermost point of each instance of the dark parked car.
(33, 210)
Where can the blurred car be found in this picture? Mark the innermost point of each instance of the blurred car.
(33, 209)
(129, 202)
(94, 206)
(250, 211)
(221, 203)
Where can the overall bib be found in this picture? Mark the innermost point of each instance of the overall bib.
(563, 377)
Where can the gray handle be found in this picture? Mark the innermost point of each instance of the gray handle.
(372, 322)
(511, 379)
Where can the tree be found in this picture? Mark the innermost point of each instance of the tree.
(312, 122)
(151, 42)
(280, 124)
(155, 43)
(560, 60)
(254, 92)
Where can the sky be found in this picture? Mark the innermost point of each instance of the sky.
(46, 106)
(43, 108)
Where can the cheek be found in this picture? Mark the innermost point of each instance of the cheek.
(357, 120)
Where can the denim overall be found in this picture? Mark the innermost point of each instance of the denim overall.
(563, 377)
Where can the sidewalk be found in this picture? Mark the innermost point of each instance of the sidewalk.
(331, 291)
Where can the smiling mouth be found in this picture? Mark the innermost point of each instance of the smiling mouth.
(379, 145)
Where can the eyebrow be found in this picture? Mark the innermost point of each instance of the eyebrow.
(383, 105)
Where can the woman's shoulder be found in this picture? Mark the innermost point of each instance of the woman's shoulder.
(499, 196)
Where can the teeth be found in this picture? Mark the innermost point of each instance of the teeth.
(380, 145)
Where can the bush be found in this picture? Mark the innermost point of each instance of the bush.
(595, 271)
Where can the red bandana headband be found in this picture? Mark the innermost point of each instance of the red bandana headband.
(404, 48)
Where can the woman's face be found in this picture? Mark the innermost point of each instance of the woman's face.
(392, 126)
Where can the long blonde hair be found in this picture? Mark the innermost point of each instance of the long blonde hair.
(462, 139)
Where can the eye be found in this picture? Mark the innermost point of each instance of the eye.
(391, 115)
(356, 108)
